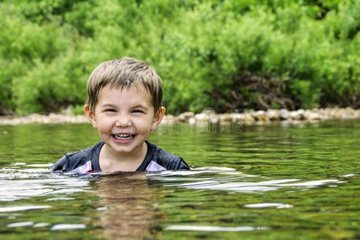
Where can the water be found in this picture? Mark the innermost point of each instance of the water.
(253, 182)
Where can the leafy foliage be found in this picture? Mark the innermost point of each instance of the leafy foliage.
(200, 48)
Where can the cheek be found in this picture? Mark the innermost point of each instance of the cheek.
(102, 124)
(142, 125)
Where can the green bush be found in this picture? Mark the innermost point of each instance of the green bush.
(48, 48)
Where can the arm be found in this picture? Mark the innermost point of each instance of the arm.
(60, 165)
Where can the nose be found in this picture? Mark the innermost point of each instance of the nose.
(123, 122)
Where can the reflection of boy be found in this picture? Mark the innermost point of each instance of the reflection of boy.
(125, 211)
(124, 105)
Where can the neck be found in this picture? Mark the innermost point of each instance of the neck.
(111, 161)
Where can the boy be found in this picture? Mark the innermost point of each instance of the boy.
(124, 105)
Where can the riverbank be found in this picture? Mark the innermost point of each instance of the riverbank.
(207, 116)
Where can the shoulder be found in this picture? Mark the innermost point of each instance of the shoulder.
(167, 159)
(71, 161)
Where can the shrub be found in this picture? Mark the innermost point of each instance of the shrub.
(201, 49)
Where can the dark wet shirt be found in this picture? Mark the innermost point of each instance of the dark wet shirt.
(87, 160)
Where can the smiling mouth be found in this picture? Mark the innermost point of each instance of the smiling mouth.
(123, 136)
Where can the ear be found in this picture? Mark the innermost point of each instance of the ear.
(90, 115)
(157, 119)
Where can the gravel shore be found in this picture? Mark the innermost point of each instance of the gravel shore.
(207, 116)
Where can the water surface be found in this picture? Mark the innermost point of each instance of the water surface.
(275, 181)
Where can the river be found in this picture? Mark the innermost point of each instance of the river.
(274, 181)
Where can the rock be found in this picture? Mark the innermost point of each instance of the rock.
(297, 115)
(260, 116)
(214, 120)
(206, 117)
(248, 119)
(201, 117)
(192, 121)
(313, 116)
(184, 117)
(284, 114)
(225, 118)
(168, 120)
(237, 117)
(273, 115)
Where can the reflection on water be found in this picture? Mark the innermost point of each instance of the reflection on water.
(267, 182)
(27, 182)
(125, 205)
(129, 205)
(228, 184)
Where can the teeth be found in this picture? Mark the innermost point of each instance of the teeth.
(123, 136)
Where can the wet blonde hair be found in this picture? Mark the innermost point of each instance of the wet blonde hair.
(124, 72)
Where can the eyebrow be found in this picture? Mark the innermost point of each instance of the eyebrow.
(114, 105)
(107, 105)
(140, 106)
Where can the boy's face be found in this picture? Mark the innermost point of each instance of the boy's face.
(124, 118)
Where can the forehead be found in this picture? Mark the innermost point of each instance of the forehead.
(125, 93)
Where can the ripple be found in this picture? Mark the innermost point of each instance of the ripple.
(12, 190)
(214, 228)
(268, 205)
(20, 224)
(217, 179)
(21, 208)
(64, 226)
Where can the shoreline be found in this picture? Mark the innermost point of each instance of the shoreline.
(249, 117)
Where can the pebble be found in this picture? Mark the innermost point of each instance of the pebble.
(208, 116)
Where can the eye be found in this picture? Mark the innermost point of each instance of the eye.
(109, 110)
(137, 111)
